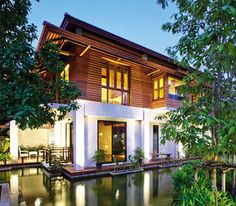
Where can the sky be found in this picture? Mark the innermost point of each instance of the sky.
(139, 21)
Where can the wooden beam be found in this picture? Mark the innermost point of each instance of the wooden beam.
(115, 62)
(84, 51)
(66, 53)
(153, 72)
(109, 49)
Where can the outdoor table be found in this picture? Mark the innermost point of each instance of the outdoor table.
(33, 153)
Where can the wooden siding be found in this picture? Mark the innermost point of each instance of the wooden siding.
(86, 71)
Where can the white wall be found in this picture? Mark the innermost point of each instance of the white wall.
(133, 136)
(34, 137)
(90, 139)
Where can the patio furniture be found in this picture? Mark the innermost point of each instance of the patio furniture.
(33, 154)
(23, 154)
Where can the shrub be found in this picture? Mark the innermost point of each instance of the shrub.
(190, 193)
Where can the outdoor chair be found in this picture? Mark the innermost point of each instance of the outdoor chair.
(23, 153)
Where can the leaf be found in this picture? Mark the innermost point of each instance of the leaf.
(232, 130)
(232, 10)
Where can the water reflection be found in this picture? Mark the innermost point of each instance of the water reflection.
(153, 187)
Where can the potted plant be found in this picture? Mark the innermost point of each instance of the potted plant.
(99, 158)
(138, 155)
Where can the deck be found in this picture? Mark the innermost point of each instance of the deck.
(90, 172)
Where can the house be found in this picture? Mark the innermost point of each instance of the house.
(124, 86)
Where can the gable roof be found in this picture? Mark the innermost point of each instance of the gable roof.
(69, 22)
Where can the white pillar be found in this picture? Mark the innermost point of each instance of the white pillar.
(131, 141)
(57, 133)
(145, 136)
(79, 138)
(14, 131)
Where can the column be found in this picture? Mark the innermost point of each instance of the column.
(57, 133)
(145, 136)
(79, 138)
(223, 179)
(14, 131)
(131, 142)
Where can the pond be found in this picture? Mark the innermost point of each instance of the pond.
(151, 187)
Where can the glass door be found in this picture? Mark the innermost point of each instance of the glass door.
(112, 139)
(119, 137)
(155, 139)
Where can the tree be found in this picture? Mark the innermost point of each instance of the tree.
(26, 94)
(208, 125)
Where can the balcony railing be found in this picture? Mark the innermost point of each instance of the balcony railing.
(175, 96)
(58, 154)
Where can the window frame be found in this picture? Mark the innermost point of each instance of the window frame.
(158, 89)
(116, 68)
(174, 96)
(125, 139)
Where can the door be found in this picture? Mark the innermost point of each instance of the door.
(112, 139)
(155, 139)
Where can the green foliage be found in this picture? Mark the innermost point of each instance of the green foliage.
(26, 95)
(138, 153)
(207, 126)
(32, 148)
(4, 144)
(4, 149)
(99, 156)
(188, 192)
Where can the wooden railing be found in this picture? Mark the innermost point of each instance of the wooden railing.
(58, 154)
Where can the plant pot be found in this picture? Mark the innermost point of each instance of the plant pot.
(99, 165)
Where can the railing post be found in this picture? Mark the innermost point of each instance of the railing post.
(223, 189)
(233, 182)
(63, 155)
(50, 157)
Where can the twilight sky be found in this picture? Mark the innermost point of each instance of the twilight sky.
(136, 20)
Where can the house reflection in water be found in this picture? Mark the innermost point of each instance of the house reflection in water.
(152, 187)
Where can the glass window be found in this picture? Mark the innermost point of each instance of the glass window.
(126, 83)
(174, 85)
(104, 95)
(125, 98)
(104, 77)
(115, 85)
(114, 97)
(118, 80)
(111, 78)
(158, 88)
(65, 73)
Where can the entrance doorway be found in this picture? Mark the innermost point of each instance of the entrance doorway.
(155, 139)
(112, 139)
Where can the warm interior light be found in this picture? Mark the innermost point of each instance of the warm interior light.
(174, 84)
(65, 72)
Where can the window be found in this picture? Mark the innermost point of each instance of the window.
(115, 84)
(173, 87)
(65, 72)
(158, 88)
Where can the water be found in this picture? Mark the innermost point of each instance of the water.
(152, 187)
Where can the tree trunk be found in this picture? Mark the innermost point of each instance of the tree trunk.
(214, 186)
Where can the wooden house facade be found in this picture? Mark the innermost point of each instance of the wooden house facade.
(123, 85)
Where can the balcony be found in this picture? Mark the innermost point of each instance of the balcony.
(175, 97)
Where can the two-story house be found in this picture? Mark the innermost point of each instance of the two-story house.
(124, 86)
